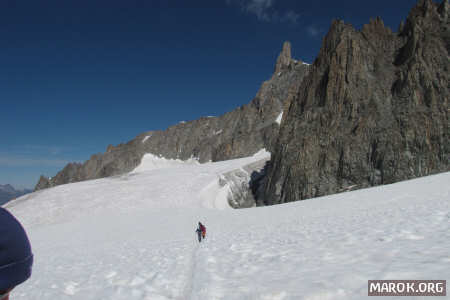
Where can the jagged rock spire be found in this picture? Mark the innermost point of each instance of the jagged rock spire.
(284, 59)
(373, 110)
(43, 183)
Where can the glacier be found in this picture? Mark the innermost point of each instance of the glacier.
(133, 237)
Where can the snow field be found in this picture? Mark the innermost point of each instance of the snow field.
(132, 237)
(311, 251)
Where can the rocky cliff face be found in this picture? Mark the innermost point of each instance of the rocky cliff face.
(373, 109)
(241, 132)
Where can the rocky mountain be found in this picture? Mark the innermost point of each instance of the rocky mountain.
(239, 133)
(374, 109)
(7, 192)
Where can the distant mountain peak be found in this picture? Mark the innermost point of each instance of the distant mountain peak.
(7, 188)
(8, 192)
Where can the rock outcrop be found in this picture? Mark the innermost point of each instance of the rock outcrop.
(239, 133)
(372, 110)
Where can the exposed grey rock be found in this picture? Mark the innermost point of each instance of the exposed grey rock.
(284, 60)
(43, 183)
(373, 110)
(239, 133)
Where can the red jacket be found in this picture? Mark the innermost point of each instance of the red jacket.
(5, 297)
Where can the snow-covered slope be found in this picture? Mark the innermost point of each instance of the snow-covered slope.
(132, 237)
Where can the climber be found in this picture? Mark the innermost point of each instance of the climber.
(201, 231)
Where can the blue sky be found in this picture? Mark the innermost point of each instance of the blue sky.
(76, 76)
